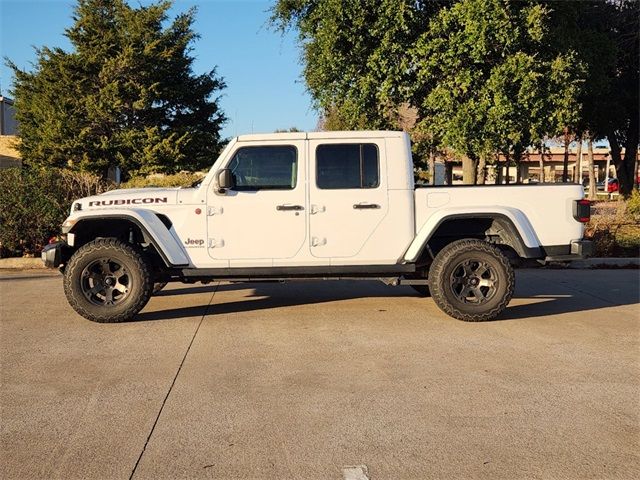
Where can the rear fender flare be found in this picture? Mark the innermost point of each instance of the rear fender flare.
(523, 237)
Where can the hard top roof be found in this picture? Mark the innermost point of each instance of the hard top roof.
(349, 134)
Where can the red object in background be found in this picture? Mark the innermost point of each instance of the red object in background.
(53, 239)
(612, 186)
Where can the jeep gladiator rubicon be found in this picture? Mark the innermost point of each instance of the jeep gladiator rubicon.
(324, 205)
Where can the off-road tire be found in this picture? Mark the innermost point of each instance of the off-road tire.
(111, 252)
(452, 274)
(157, 287)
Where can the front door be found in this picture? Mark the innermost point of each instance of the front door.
(348, 195)
(263, 217)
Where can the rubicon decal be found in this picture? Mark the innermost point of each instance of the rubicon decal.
(128, 201)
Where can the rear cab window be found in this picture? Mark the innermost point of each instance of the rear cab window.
(347, 166)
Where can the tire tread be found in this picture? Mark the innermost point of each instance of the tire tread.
(107, 244)
(436, 276)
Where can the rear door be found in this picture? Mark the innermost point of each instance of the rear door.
(348, 195)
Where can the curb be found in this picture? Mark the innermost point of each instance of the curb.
(606, 263)
(21, 263)
(591, 263)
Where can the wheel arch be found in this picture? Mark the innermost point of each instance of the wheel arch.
(146, 226)
(506, 227)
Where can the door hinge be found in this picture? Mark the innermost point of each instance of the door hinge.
(214, 211)
(317, 209)
(318, 242)
(216, 242)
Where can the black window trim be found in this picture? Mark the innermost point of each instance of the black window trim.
(274, 188)
(361, 145)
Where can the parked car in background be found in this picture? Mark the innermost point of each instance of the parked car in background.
(612, 185)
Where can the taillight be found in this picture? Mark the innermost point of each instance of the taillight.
(582, 210)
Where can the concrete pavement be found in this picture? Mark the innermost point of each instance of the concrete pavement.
(303, 379)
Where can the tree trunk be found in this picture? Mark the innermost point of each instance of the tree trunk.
(498, 170)
(565, 169)
(541, 163)
(592, 177)
(517, 157)
(577, 173)
(482, 169)
(448, 173)
(628, 178)
(469, 170)
(432, 166)
(625, 166)
(507, 162)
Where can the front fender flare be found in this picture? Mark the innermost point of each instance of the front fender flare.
(164, 240)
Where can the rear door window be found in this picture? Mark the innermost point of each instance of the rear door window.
(347, 166)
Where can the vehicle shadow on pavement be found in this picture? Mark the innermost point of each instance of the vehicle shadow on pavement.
(526, 303)
(268, 295)
(549, 305)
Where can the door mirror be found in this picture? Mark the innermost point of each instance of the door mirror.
(225, 180)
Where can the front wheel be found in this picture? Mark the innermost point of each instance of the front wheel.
(107, 281)
(471, 280)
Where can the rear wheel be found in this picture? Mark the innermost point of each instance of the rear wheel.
(107, 281)
(471, 280)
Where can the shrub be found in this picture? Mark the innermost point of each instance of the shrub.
(183, 179)
(614, 229)
(34, 203)
(633, 205)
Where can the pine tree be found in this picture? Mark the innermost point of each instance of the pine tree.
(126, 94)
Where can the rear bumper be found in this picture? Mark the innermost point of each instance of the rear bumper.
(576, 250)
(55, 254)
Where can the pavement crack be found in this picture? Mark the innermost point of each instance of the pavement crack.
(164, 401)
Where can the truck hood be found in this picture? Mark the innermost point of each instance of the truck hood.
(131, 198)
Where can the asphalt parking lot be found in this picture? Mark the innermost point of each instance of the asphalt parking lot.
(304, 379)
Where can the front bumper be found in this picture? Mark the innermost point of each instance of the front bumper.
(577, 250)
(55, 254)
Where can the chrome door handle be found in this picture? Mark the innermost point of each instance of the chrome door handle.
(289, 207)
(360, 206)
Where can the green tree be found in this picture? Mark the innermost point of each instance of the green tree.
(355, 54)
(624, 126)
(126, 94)
(608, 44)
(488, 80)
(484, 76)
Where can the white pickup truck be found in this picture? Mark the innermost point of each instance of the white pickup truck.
(325, 205)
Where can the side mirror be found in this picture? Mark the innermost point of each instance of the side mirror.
(225, 180)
